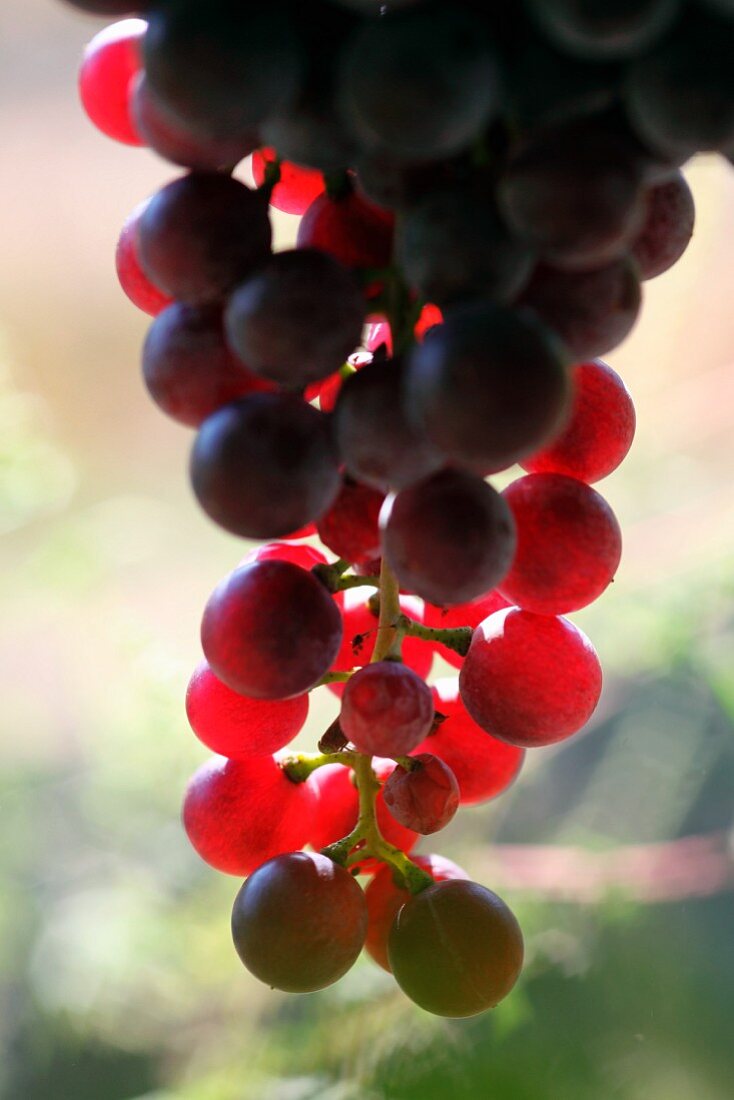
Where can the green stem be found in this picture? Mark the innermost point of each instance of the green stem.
(387, 645)
(333, 678)
(457, 638)
(299, 765)
(355, 581)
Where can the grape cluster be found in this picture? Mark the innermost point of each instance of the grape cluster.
(482, 190)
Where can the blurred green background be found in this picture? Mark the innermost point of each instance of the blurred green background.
(117, 976)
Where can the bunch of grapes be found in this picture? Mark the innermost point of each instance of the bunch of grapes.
(482, 190)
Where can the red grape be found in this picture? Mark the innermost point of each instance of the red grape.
(298, 553)
(530, 679)
(350, 527)
(238, 813)
(668, 227)
(384, 899)
(299, 922)
(111, 62)
(351, 229)
(600, 430)
(483, 765)
(297, 187)
(386, 709)
(235, 725)
(141, 290)
(568, 544)
(424, 798)
(360, 635)
(270, 630)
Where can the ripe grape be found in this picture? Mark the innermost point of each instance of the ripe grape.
(337, 808)
(379, 443)
(201, 235)
(450, 538)
(352, 230)
(424, 798)
(468, 614)
(297, 319)
(298, 553)
(455, 948)
(530, 679)
(238, 813)
(270, 630)
(386, 709)
(299, 922)
(141, 291)
(591, 311)
(483, 765)
(171, 139)
(489, 386)
(219, 68)
(264, 466)
(668, 227)
(111, 62)
(350, 527)
(568, 544)
(600, 431)
(297, 187)
(385, 898)
(236, 725)
(188, 369)
(419, 85)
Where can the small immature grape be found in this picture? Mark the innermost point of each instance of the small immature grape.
(238, 726)
(489, 386)
(270, 630)
(297, 187)
(483, 765)
(599, 432)
(188, 369)
(337, 807)
(238, 813)
(350, 229)
(569, 544)
(424, 798)
(386, 709)
(299, 922)
(385, 898)
(668, 227)
(530, 679)
(450, 538)
(111, 62)
(350, 527)
(141, 291)
(455, 949)
(201, 235)
(264, 466)
(297, 319)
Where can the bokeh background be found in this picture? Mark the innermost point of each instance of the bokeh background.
(117, 976)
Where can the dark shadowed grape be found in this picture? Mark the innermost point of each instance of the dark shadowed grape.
(270, 630)
(667, 229)
(203, 234)
(549, 88)
(141, 291)
(299, 922)
(489, 385)
(350, 528)
(110, 7)
(420, 85)
(298, 318)
(591, 311)
(450, 538)
(378, 442)
(455, 948)
(598, 29)
(188, 369)
(265, 466)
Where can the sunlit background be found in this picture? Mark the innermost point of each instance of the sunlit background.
(117, 976)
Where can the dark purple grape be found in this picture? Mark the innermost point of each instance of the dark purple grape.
(271, 630)
(575, 195)
(680, 97)
(298, 318)
(453, 245)
(490, 385)
(598, 29)
(265, 466)
(203, 234)
(188, 369)
(449, 539)
(419, 84)
(170, 138)
(549, 88)
(668, 227)
(222, 67)
(592, 311)
(110, 7)
(378, 442)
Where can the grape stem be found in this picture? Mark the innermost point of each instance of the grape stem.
(457, 638)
